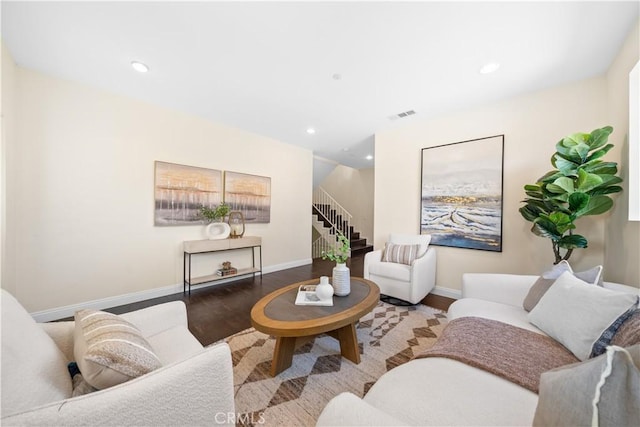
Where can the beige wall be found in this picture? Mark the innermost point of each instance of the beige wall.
(7, 96)
(622, 237)
(532, 124)
(83, 174)
(354, 190)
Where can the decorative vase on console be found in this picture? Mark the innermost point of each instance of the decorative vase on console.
(217, 229)
(341, 274)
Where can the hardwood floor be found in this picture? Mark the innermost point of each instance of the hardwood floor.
(218, 311)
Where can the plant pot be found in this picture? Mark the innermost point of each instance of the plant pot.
(341, 280)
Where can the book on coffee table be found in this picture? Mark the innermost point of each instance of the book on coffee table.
(307, 296)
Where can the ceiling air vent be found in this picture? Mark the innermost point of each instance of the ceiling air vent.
(402, 115)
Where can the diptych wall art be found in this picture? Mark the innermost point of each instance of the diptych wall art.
(461, 194)
(249, 194)
(180, 191)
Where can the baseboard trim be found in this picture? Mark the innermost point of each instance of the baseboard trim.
(447, 292)
(118, 300)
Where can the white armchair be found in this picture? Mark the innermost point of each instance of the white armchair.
(193, 387)
(406, 282)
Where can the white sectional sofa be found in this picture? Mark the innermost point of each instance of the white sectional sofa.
(440, 391)
(194, 385)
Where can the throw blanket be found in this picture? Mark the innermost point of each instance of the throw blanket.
(513, 353)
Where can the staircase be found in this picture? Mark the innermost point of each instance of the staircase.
(329, 219)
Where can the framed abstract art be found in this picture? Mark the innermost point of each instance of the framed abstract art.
(461, 194)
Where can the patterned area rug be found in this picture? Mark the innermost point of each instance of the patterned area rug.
(388, 336)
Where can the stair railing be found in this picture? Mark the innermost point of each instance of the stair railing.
(333, 213)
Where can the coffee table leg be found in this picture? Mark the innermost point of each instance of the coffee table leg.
(349, 343)
(282, 354)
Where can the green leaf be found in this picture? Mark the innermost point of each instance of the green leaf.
(602, 168)
(530, 187)
(599, 137)
(549, 177)
(566, 167)
(587, 181)
(572, 242)
(606, 190)
(562, 221)
(564, 183)
(596, 206)
(600, 153)
(529, 213)
(578, 200)
(543, 227)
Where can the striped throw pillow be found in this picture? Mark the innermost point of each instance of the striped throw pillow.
(109, 350)
(400, 254)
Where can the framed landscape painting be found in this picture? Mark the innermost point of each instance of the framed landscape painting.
(461, 194)
(249, 194)
(181, 190)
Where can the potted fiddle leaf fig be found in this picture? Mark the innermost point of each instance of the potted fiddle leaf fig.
(579, 186)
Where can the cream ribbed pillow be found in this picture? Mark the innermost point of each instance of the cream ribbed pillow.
(400, 254)
(109, 350)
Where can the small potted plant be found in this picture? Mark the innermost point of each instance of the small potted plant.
(341, 275)
(212, 215)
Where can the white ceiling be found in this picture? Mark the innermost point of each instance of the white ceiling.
(268, 67)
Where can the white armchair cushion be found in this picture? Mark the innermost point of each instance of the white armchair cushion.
(34, 370)
(109, 350)
(576, 313)
(391, 270)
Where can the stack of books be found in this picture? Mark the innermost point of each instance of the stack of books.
(227, 271)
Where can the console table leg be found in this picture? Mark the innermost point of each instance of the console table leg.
(282, 354)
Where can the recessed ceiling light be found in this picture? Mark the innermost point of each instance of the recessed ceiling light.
(369, 157)
(489, 68)
(311, 131)
(139, 67)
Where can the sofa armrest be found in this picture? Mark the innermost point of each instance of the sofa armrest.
(347, 409)
(62, 334)
(195, 391)
(508, 289)
(371, 257)
(158, 318)
(423, 274)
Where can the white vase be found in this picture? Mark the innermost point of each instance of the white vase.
(324, 290)
(218, 230)
(341, 280)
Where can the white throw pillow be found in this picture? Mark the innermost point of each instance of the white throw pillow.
(109, 350)
(576, 314)
(412, 239)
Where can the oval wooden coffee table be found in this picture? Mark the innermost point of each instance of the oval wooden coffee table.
(293, 325)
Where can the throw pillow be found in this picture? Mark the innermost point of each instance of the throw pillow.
(576, 314)
(400, 254)
(544, 282)
(601, 344)
(629, 332)
(573, 395)
(109, 350)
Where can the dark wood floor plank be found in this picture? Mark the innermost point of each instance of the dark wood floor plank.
(218, 311)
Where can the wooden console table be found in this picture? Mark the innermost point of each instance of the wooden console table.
(194, 247)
